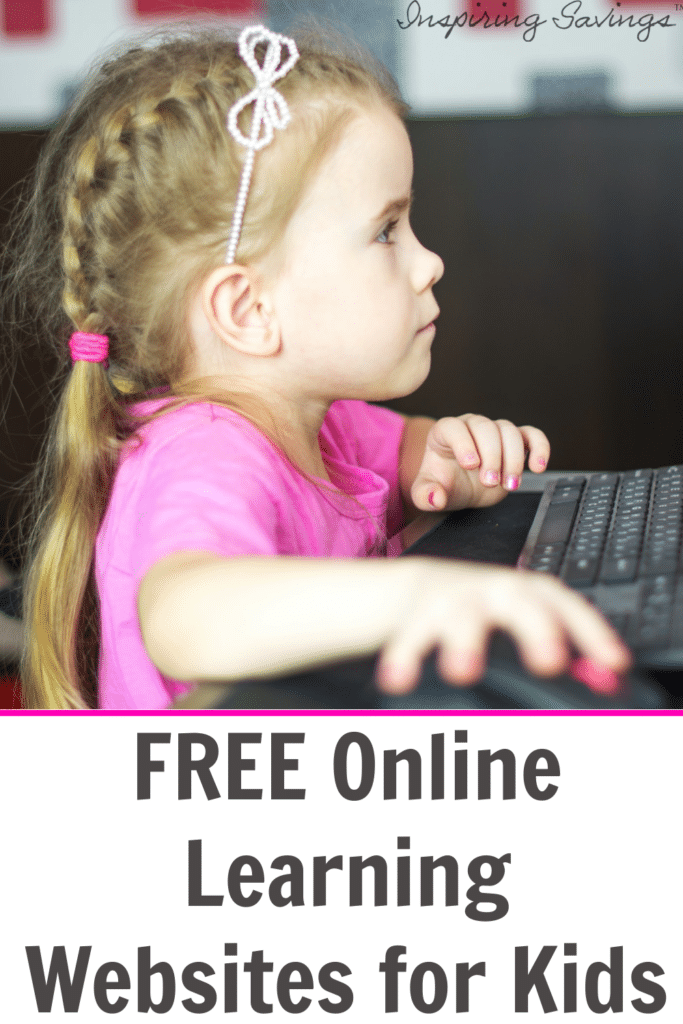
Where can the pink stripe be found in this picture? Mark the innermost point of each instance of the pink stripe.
(311, 713)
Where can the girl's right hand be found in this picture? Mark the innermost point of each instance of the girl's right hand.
(456, 606)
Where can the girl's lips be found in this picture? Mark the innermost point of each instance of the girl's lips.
(432, 322)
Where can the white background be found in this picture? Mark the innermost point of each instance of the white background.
(85, 863)
(477, 71)
(472, 72)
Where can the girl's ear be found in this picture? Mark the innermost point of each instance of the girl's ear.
(238, 311)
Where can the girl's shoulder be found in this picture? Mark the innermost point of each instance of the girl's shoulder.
(346, 419)
(193, 422)
(353, 432)
(189, 449)
(189, 412)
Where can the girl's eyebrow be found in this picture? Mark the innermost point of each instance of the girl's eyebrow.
(394, 208)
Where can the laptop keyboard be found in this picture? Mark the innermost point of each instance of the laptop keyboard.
(617, 537)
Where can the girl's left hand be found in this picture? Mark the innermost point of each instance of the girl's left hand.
(471, 461)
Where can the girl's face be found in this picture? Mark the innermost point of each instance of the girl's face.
(353, 298)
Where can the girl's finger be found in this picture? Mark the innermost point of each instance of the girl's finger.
(513, 454)
(538, 447)
(585, 627)
(462, 652)
(451, 438)
(591, 634)
(489, 445)
(400, 662)
(459, 629)
(538, 635)
(450, 442)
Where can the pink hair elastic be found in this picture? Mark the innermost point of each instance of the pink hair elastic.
(89, 348)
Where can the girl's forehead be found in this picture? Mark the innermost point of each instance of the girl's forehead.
(375, 138)
(371, 163)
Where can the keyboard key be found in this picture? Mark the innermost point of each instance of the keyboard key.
(557, 524)
(651, 635)
(603, 480)
(579, 572)
(550, 565)
(565, 494)
(655, 564)
(654, 620)
(677, 614)
(619, 621)
(633, 476)
(577, 480)
(618, 570)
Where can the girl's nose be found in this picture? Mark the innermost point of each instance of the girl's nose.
(438, 268)
(428, 268)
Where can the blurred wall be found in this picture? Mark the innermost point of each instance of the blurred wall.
(562, 301)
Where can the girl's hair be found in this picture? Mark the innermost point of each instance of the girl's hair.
(131, 208)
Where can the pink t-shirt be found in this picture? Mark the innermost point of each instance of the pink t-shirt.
(204, 478)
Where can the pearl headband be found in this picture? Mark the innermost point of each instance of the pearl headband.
(270, 109)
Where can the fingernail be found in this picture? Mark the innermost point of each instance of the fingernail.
(393, 678)
(542, 463)
(511, 483)
(491, 476)
(596, 677)
(431, 499)
(471, 459)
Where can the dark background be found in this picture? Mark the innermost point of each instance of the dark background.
(562, 299)
(561, 304)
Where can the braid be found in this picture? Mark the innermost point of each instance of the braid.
(95, 163)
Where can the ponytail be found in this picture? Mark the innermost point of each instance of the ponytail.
(59, 668)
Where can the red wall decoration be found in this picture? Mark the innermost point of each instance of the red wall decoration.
(241, 8)
(494, 8)
(23, 19)
(26, 17)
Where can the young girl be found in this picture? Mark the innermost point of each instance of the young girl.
(213, 416)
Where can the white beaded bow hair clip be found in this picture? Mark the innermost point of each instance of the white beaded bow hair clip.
(270, 109)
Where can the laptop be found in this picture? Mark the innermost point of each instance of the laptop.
(614, 537)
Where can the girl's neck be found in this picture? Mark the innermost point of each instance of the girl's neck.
(299, 436)
(293, 423)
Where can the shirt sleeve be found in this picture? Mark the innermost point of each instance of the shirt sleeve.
(211, 487)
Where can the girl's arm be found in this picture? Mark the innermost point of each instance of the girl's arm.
(207, 618)
(464, 461)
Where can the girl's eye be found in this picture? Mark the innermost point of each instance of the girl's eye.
(386, 235)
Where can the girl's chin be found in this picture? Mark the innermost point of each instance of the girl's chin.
(417, 378)
(405, 382)
(425, 368)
